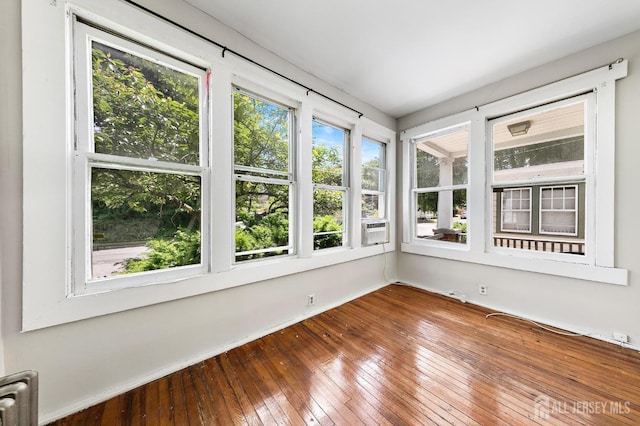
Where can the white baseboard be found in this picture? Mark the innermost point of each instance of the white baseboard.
(127, 386)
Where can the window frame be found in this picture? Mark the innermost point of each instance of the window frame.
(345, 188)
(382, 187)
(289, 180)
(575, 210)
(588, 177)
(48, 295)
(85, 159)
(502, 211)
(459, 126)
(599, 265)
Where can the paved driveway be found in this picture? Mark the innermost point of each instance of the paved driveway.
(109, 262)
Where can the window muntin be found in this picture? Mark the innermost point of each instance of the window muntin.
(330, 177)
(516, 210)
(532, 150)
(140, 163)
(264, 178)
(440, 184)
(374, 176)
(559, 210)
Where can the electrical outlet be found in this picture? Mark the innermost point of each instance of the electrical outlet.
(483, 289)
(620, 337)
(311, 299)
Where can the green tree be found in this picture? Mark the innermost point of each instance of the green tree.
(261, 150)
(145, 110)
(557, 151)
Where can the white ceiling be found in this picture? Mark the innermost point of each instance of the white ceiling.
(404, 55)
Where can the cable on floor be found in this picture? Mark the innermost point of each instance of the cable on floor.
(544, 327)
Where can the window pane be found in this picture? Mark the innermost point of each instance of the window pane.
(546, 144)
(373, 206)
(328, 218)
(438, 215)
(516, 221)
(516, 206)
(558, 222)
(570, 203)
(559, 216)
(442, 160)
(262, 219)
(373, 165)
(142, 109)
(260, 133)
(373, 154)
(328, 154)
(143, 221)
(373, 179)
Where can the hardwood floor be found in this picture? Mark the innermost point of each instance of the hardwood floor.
(398, 356)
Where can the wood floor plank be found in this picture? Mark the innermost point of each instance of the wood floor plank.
(165, 413)
(399, 355)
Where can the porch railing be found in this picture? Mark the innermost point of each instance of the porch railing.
(554, 246)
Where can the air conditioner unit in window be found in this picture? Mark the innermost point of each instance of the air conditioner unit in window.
(375, 232)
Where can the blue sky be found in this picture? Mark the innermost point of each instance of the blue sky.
(324, 134)
(370, 150)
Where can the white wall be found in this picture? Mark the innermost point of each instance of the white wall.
(590, 307)
(10, 171)
(83, 362)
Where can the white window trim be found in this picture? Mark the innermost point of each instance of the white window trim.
(48, 297)
(511, 210)
(575, 211)
(85, 159)
(448, 128)
(601, 268)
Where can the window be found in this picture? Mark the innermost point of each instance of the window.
(330, 176)
(539, 193)
(559, 210)
(516, 210)
(120, 208)
(440, 185)
(373, 170)
(264, 178)
(533, 149)
(140, 162)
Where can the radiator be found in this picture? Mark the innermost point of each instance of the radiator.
(19, 399)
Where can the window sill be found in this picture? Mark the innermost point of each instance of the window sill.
(601, 274)
(61, 309)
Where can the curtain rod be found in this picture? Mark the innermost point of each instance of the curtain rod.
(239, 55)
(609, 66)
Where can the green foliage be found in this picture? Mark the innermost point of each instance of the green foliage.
(557, 151)
(461, 226)
(259, 232)
(261, 140)
(326, 224)
(145, 110)
(260, 133)
(428, 176)
(428, 201)
(326, 167)
(182, 249)
(142, 109)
